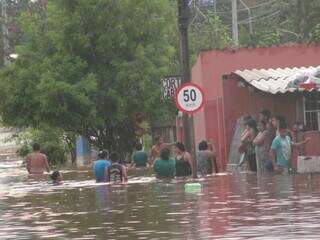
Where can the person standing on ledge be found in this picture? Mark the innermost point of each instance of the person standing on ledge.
(281, 149)
(36, 161)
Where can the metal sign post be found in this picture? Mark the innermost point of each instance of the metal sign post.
(183, 21)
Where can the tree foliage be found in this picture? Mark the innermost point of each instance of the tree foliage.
(52, 141)
(88, 67)
(208, 32)
(273, 22)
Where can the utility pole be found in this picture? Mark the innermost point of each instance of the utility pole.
(235, 33)
(183, 21)
(5, 32)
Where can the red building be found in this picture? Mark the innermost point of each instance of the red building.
(244, 81)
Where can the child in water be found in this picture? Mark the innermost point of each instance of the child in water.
(56, 177)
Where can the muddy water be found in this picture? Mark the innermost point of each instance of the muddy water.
(238, 206)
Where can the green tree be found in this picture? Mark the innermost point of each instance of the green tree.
(273, 22)
(315, 34)
(208, 33)
(52, 141)
(88, 67)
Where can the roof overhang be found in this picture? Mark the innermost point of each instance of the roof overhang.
(280, 80)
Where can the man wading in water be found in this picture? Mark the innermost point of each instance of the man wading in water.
(116, 172)
(36, 161)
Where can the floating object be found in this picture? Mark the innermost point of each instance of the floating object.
(308, 86)
(193, 187)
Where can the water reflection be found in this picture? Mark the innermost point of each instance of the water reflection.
(237, 206)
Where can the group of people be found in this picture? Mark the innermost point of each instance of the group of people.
(165, 163)
(106, 170)
(267, 144)
(109, 168)
(178, 161)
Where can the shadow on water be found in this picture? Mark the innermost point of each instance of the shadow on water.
(229, 206)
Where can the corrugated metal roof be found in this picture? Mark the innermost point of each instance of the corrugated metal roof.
(280, 80)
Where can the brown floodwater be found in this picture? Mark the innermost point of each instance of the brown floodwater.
(229, 206)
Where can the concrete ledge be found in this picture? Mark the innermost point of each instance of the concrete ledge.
(83, 160)
(308, 164)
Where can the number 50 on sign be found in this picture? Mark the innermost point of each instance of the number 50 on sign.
(189, 98)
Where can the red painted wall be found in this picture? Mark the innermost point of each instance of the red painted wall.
(312, 148)
(225, 101)
(199, 118)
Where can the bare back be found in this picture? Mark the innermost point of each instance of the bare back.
(37, 163)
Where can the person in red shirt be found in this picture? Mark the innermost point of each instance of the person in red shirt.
(36, 161)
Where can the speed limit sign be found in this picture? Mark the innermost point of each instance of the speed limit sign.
(189, 98)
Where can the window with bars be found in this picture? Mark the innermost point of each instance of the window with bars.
(312, 111)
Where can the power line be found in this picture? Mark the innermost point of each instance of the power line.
(259, 18)
(252, 7)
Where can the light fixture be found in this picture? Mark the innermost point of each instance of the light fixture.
(14, 55)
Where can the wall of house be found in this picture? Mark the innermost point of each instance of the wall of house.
(225, 101)
(199, 118)
(312, 148)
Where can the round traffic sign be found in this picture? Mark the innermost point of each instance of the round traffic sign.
(189, 98)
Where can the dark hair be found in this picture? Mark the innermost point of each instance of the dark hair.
(252, 124)
(157, 138)
(180, 146)
(54, 176)
(280, 118)
(114, 157)
(139, 146)
(103, 154)
(203, 145)
(283, 125)
(246, 119)
(263, 122)
(266, 113)
(36, 147)
(165, 154)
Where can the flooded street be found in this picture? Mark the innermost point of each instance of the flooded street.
(237, 206)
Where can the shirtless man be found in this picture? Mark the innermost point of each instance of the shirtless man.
(156, 149)
(36, 161)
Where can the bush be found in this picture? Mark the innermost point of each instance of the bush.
(315, 34)
(24, 150)
(50, 139)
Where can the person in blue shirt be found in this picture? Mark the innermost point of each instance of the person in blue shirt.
(100, 166)
(281, 149)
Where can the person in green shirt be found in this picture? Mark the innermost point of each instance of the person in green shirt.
(139, 157)
(164, 167)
